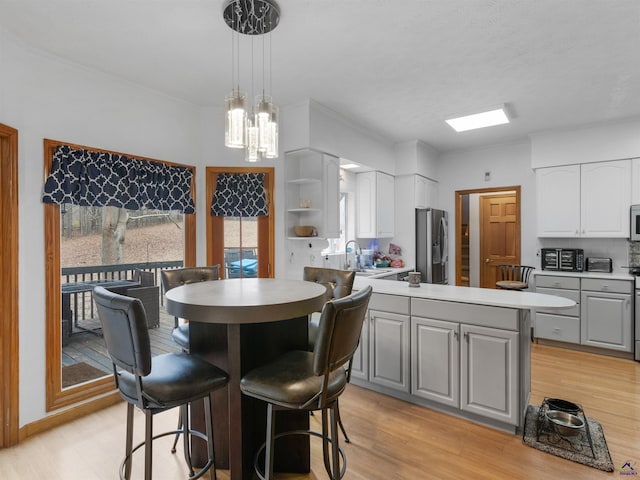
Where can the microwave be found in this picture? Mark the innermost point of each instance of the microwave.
(635, 224)
(563, 259)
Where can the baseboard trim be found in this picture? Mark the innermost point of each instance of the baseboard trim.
(72, 413)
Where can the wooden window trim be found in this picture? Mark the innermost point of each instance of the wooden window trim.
(56, 396)
(265, 224)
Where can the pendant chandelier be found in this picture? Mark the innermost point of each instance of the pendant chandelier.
(255, 131)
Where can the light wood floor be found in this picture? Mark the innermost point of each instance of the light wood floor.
(391, 439)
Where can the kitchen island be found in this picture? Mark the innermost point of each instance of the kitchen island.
(461, 350)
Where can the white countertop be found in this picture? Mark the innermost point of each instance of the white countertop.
(613, 276)
(384, 272)
(478, 296)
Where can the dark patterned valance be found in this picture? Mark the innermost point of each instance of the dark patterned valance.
(104, 179)
(240, 195)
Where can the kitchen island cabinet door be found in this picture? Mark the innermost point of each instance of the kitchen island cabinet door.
(435, 360)
(360, 362)
(606, 320)
(489, 373)
(389, 350)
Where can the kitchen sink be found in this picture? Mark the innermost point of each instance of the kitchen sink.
(369, 272)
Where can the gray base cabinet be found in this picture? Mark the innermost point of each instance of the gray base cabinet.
(389, 350)
(435, 360)
(606, 321)
(489, 373)
(382, 358)
(360, 362)
(602, 316)
(464, 358)
(466, 366)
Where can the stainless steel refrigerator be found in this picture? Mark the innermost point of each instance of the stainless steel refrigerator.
(432, 245)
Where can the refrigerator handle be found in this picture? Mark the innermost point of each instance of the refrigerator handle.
(445, 240)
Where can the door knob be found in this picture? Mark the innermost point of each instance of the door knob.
(486, 260)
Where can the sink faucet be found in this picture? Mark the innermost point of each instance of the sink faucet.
(357, 254)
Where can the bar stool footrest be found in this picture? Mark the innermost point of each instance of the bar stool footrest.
(256, 466)
(197, 433)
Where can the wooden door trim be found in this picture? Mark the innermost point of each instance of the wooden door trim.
(458, 228)
(9, 313)
(211, 176)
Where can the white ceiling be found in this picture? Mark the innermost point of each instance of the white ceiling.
(398, 67)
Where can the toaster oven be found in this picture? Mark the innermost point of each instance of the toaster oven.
(563, 259)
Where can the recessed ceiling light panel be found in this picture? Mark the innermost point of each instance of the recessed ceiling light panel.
(489, 118)
(349, 166)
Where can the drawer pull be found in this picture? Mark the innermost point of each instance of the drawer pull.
(556, 330)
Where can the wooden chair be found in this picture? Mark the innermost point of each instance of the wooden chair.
(155, 384)
(303, 380)
(514, 277)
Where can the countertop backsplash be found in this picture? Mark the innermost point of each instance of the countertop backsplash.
(634, 254)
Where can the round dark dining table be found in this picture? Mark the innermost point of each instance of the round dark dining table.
(239, 324)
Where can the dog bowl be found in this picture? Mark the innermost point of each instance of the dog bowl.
(562, 405)
(566, 424)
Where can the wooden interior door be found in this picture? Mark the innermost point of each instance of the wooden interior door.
(243, 247)
(499, 235)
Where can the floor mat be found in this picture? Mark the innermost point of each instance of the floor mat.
(78, 373)
(576, 449)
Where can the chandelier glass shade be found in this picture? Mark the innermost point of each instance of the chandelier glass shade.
(235, 135)
(256, 132)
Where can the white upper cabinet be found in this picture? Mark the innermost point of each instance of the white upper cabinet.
(605, 199)
(588, 200)
(375, 205)
(635, 181)
(312, 192)
(415, 191)
(558, 192)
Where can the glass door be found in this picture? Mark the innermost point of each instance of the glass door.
(241, 245)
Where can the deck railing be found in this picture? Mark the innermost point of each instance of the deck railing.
(82, 302)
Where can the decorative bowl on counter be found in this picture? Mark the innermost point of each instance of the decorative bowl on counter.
(305, 231)
(565, 423)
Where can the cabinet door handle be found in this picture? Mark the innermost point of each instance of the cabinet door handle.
(455, 335)
(466, 336)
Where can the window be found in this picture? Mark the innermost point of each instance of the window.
(241, 245)
(76, 254)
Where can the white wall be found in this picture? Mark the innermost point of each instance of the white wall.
(509, 165)
(416, 157)
(331, 133)
(44, 97)
(613, 141)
